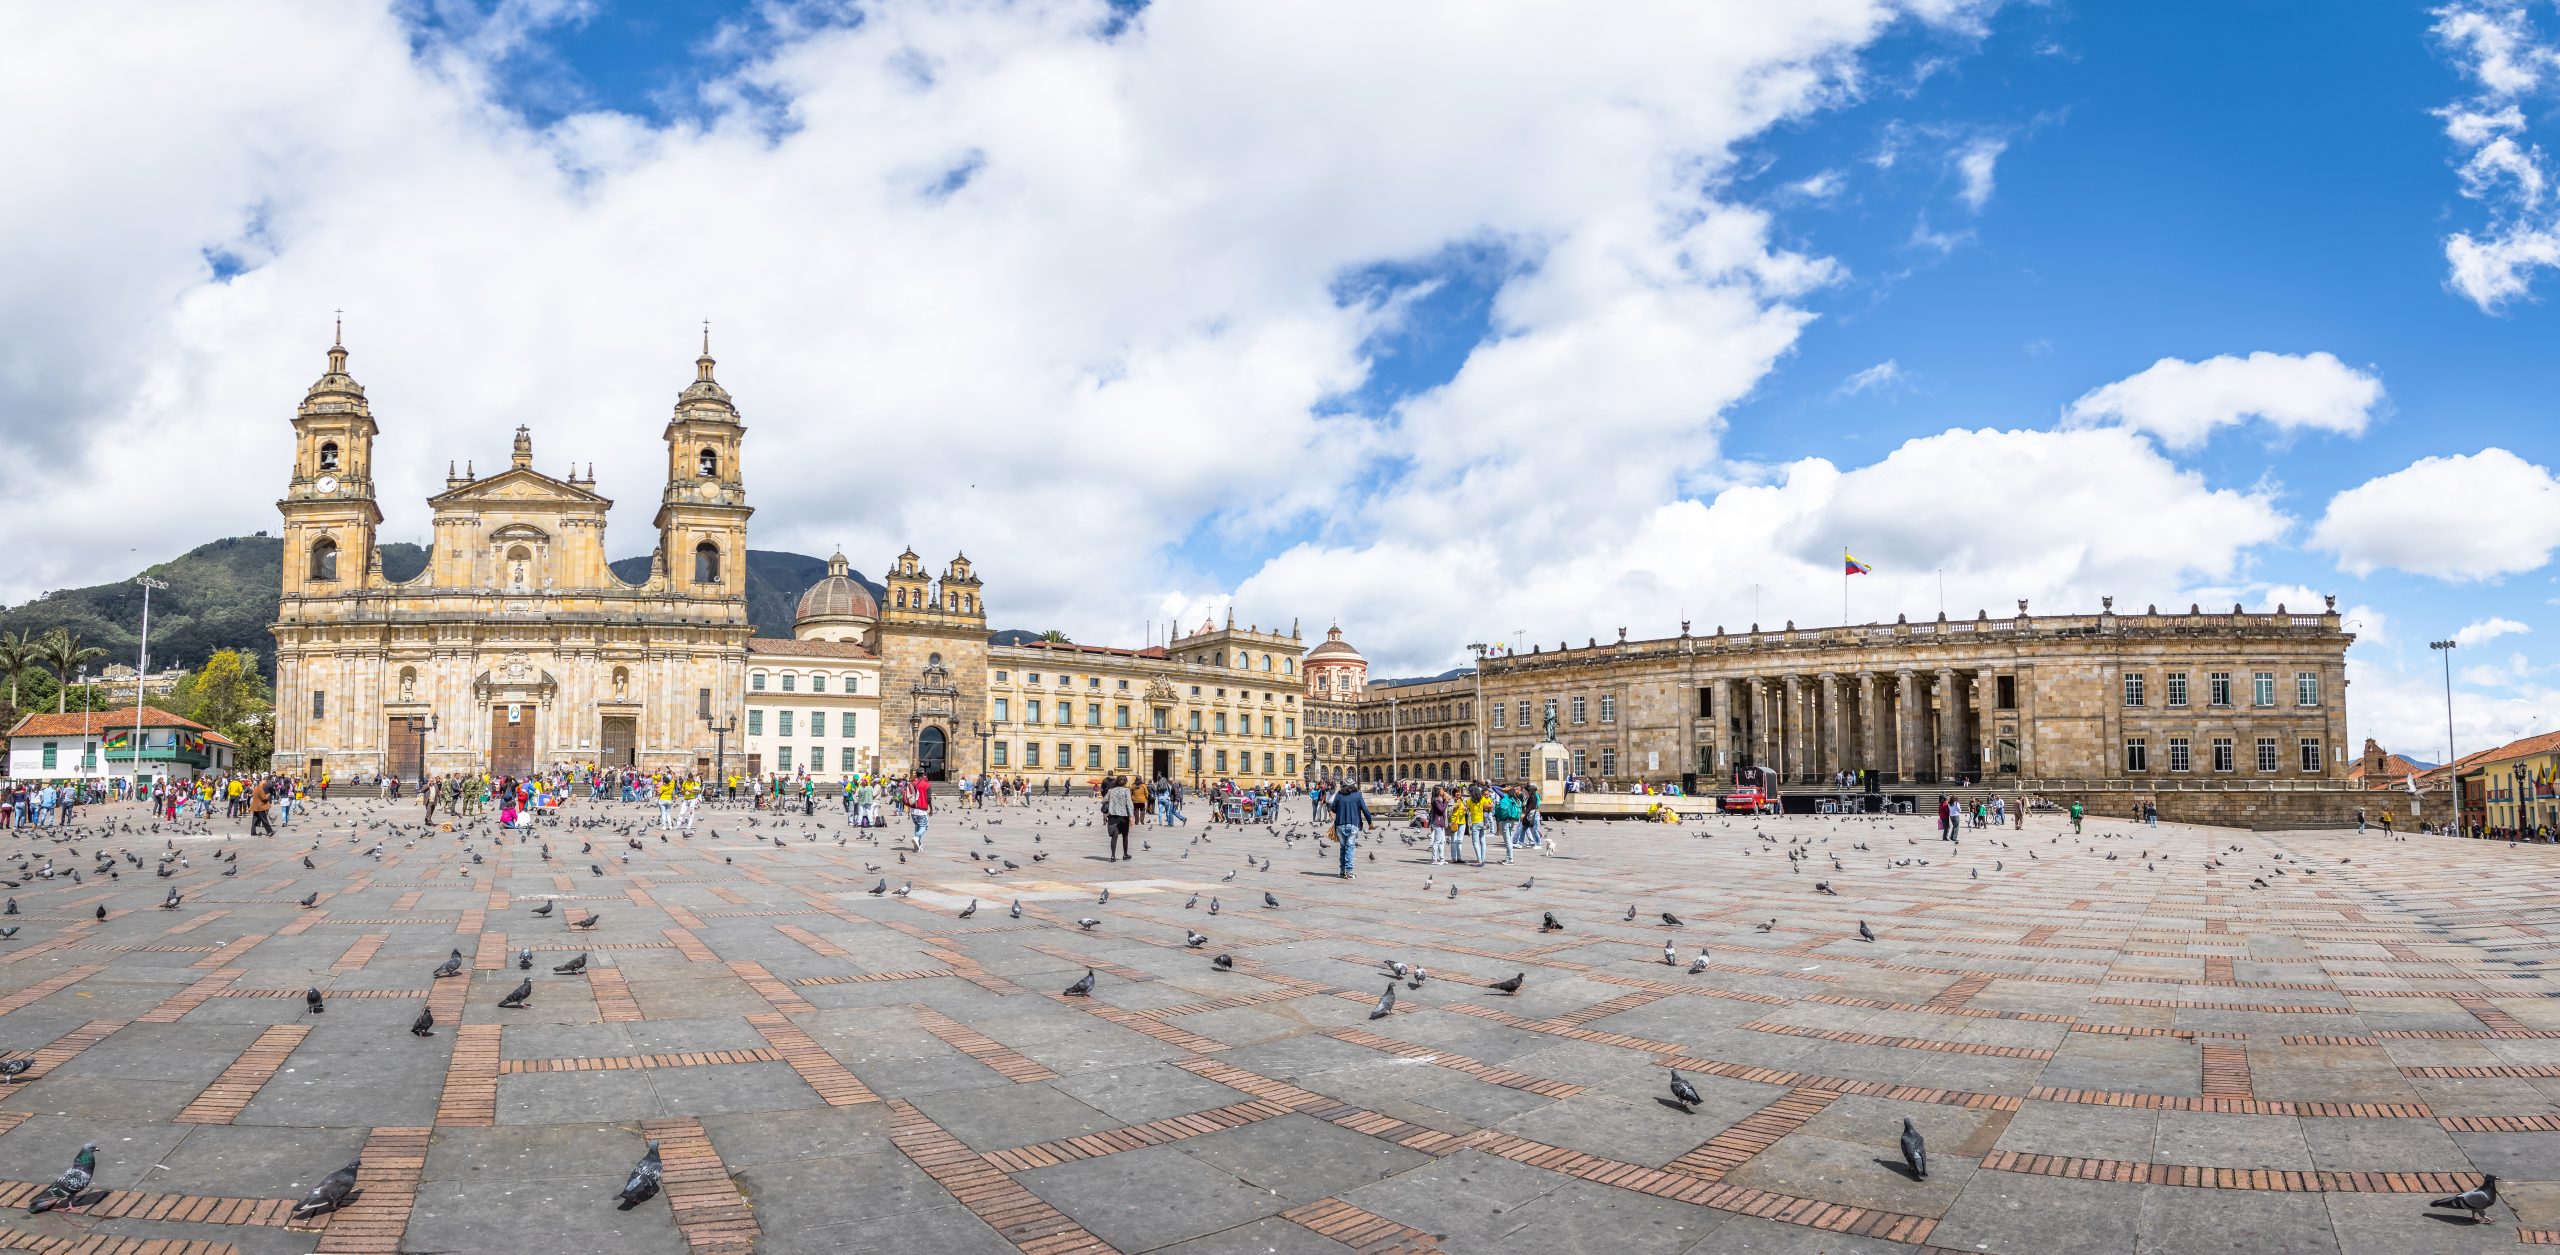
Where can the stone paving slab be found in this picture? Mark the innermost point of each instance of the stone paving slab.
(2131, 1054)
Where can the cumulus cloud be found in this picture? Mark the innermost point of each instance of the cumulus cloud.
(2405, 710)
(1884, 375)
(1974, 166)
(2487, 630)
(2462, 518)
(982, 275)
(2184, 402)
(2496, 44)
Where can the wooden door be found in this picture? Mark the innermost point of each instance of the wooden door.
(405, 743)
(620, 743)
(511, 739)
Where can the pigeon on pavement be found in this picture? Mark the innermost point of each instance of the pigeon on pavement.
(1224, 963)
(452, 966)
(331, 1194)
(1549, 924)
(1684, 1092)
(573, 966)
(1386, 1003)
(1915, 1151)
(520, 996)
(1082, 988)
(312, 1003)
(1866, 932)
(67, 1188)
(425, 1024)
(2477, 1199)
(643, 1184)
(1511, 986)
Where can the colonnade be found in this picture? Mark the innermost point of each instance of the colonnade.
(1907, 725)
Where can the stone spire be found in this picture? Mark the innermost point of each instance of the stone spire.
(523, 458)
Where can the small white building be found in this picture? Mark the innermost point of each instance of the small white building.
(93, 745)
(813, 701)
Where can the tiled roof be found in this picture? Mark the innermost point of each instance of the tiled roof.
(71, 724)
(784, 647)
(2540, 743)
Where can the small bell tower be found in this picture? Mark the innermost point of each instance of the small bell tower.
(702, 516)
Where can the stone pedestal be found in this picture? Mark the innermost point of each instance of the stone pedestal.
(1550, 763)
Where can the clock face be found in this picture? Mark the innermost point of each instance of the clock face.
(327, 484)
(709, 489)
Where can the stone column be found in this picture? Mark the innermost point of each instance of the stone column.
(1950, 726)
(1791, 732)
(1833, 740)
(1764, 714)
(1867, 759)
(1907, 758)
(1984, 762)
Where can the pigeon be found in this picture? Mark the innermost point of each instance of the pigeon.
(573, 966)
(1087, 923)
(312, 898)
(306, 862)
(425, 1024)
(2477, 1199)
(1082, 988)
(12, 1069)
(1549, 924)
(588, 922)
(520, 996)
(1224, 963)
(1105, 899)
(331, 1194)
(1668, 958)
(1698, 964)
(881, 888)
(1824, 887)
(1631, 910)
(1268, 900)
(1016, 910)
(13, 907)
(524, 959)
(1866, 932)
(1453, 893)
(1386, 1003)
(643, 1184)
(172, 903)
(311, 1001)
(1397, 966)
(1762, 928)
(903, 890)
(545, 908)
(102, 912)
(10, 931)
(1213, 906)
(1192, 940)
(66, 1189)
(1511, 986)
(1530, 883)
(451, 966)
(1915, 1151)
(1684, 1093)
(1670, 919)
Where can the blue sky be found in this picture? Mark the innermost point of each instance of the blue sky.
(1446, 323)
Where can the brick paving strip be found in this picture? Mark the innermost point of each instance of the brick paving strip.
(1843, 1085)
(689, 946)
(1308, 1103)
(1104, 966)
(62, 1049)
(1008, 1063)
(1139, 1022)
(1846, 1037)
(928, 973)
(833, 1081)
(614, 1003)
(173, 1208)
(713, 1216)
(991, 1194)
(1364, 1231)
(770, 988)
(470, 1097)
(1963, 990)
(2194, 1177)
(2233, 1106)
(625, 1063)
(1135, 1136)
(12, 1240)
(1481, 1071)
(232, 951)
(818, 945)
(175, 1007)
(2226, 1072)
(194, 924)
(1712, 1159)
(230, 1094)
(48, 987)
(1812, 1213)
(394, 1159)
(360, 953)
(490, 955)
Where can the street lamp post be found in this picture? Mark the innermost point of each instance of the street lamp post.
(1197, 738)
(2452, 772)
(720, 731)
(984, 732)
(142, 674)
(1395, 751)
(422, 727)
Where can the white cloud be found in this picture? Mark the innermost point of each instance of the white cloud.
(2005, 514)
(2487, 630)
(1883, 375)
(2183, 402)
(2495, 43)
(1974, 165)
(2405, 709)
(980, 276)
(2460, 518)
(1820, 186)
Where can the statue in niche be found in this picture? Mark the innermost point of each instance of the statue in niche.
(517, 578)
(408, 686)
(621, 684)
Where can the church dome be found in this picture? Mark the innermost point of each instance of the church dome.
(1335, 647)
(837, 596)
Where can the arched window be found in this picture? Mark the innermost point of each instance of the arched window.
(706, 563)
(1266, 662)
(324, 559)
(328, 455)
(710, 464)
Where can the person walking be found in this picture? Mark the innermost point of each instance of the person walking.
(259, 805)
(1117, 809)
(1350, 816)
(920, 805)
(1506, 812)
(2077, 811)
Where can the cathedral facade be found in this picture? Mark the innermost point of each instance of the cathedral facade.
(517, 648)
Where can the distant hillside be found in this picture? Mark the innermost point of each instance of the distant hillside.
(223, 595)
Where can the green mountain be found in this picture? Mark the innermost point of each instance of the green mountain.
(223, 595)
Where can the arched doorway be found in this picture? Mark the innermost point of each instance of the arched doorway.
(931, 754)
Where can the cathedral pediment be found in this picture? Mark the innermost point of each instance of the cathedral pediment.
(517, 488)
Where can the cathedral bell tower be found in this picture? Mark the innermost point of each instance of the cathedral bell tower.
(702, 518)
(329, 510)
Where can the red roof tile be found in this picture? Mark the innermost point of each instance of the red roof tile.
(72, 723)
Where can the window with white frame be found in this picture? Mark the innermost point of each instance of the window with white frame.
(2266, 753)
(2178, 756)
(2262, 688)
(2224, 754)
(1580, 709)
(2176, 685)
(2137, 756)
(1608, 708)
(2311, 755)
(2133, 693)
(2306, 688)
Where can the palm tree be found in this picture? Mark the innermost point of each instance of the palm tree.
(1055, 637)
(61, 650)
(17, 657)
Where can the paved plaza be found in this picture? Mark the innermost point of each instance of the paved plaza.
(2112, 1043)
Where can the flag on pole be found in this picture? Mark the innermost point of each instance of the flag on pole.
(1855, 567)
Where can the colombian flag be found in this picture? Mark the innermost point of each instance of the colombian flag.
(1855, 567)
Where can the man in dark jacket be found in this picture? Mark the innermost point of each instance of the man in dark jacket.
(1350, 815)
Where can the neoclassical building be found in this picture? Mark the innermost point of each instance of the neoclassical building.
(813, 700)
(517, 647)
(1216, 704)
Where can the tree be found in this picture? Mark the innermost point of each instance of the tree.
(17, 657)
(61, 650)
(226, 694)
(1056, 637)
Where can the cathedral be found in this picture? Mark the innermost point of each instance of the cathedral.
(517, 648)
